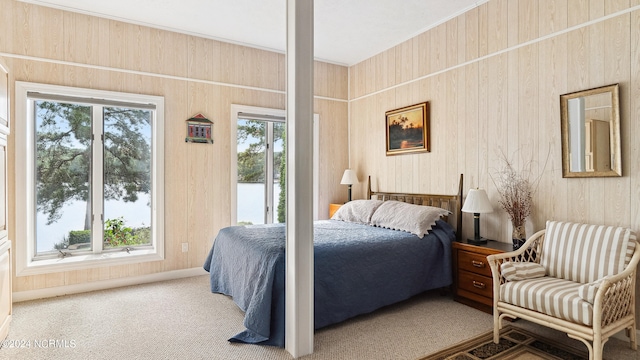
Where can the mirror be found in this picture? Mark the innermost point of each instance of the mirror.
(591, 133)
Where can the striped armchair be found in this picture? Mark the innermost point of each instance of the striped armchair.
(576, 278)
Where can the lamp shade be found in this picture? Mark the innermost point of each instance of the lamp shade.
(349, 177)
(477, 202)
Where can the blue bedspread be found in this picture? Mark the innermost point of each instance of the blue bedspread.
(358, 269)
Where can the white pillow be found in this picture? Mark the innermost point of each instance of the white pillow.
(416, 219)
(588, 291)
(514, 270)
(357, 211)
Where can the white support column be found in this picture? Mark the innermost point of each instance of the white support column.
(299, 246)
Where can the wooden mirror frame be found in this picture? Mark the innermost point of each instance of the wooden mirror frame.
(614, 132)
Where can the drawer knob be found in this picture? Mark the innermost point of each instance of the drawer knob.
(478, 264)
(478, 284)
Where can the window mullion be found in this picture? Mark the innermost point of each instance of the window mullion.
(269, 172)
(97, 180)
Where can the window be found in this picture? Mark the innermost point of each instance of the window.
(89, 183)
(258, 165)
(260, 170)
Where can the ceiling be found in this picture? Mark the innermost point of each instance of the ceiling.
(345, 32)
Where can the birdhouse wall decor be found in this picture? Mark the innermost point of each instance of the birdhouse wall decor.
(199, 130)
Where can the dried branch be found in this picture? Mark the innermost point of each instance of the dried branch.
(516, 189)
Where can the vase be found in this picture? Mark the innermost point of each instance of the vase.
(518, 236)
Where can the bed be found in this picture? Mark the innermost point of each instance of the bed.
(358, 268)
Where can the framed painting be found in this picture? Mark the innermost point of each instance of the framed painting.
(408, 129)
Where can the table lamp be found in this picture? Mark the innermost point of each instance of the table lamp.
(477, 202)
(349, 178)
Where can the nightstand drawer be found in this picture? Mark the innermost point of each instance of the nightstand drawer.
(477, 284)
(473, 262)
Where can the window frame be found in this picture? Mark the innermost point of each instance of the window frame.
(26, 261)
(268, 113)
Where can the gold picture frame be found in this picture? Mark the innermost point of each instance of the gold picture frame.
(408, 130)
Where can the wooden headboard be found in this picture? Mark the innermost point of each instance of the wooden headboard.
(452, 203)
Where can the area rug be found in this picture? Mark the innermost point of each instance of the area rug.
(515, 344)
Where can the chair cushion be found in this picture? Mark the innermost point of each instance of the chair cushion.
(585, 253)
(555, 297)
(515, 271)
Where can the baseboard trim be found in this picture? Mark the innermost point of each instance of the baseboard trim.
(105, 284)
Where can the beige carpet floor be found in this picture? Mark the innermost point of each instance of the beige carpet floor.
(182, 319)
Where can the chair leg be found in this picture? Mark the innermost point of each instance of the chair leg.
(598, 345)
(631, 333)
(496, 326)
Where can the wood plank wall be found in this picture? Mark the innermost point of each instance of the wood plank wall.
(493, 77)
(195, 75)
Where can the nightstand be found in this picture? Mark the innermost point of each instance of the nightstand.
(333, 208)
(473, 284)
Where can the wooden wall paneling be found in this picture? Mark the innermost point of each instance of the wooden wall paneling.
(472, 139)
(498, 23)
(497, 135)
(391, 161)
(378, 64)
(80, 34)
(512, 143)
(462, 38)
(513, 37)
(202, 58)
(613, 6)
(578, 60)
(358, 161)
(528, 147)
(45, 35)
(452, 41)
(176, 169)
(265, 65)
(168, 53)
(437, 54)
(404, 63)
(634, 157)
(360, 85)
(352, 81)
(404, 97)
(117, 44)
(320, 70)
(374, 78)
(617, 69)
(552, 16)
(528, 20)
(137, 43)
(452, 138)
(428, 87)
(486, 142)
(577, 12)
(471, 34)
(421, 55)
(596, 9)
(551, 205)
(460, 124)
(7, 18)
(483, 29)
(200, 176)
(439, 128)
(596, 186)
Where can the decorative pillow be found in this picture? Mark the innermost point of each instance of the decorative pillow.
(587, 292)
(416, 219)
(514, 271)
(357, 211)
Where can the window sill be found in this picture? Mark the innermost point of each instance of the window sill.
(89, 261)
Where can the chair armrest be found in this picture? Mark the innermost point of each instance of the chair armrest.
(533, 244)
(615, 297)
